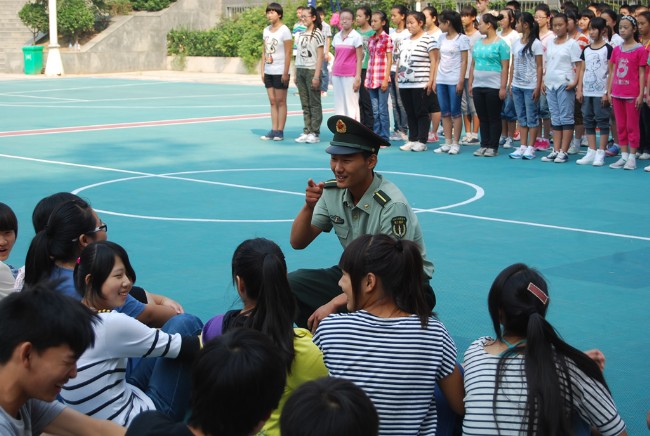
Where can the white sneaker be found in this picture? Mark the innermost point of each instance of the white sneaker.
(466, 139)
(588, 159)
(574, 148)
(502, 140)
(631, 163)
(599, 158)
(530, 153)
(418, 146)
(302, 137)
(618, 164)
(407, 147)
(647, 169)
(441, 131)
(454, 149)
(518, 153)
(644, 156)
(507, 143)
(442, 149)
(312, 138)
(584, 142)
(395, 136)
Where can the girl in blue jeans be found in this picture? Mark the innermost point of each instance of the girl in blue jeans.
(526, 84)
(450, 78)
(104, 387)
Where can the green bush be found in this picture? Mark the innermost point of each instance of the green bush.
(34, 16)
(119, 7)
(150, 5)
(74, 18)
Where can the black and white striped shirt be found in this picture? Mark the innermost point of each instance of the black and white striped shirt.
(394, 360)
(100, 389)
(591, 401)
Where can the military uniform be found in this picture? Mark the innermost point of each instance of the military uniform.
(382, 209)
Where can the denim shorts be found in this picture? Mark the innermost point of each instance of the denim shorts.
(525, 107)
(467, 102)
(508, 112)
(449, 101)
(561, 103)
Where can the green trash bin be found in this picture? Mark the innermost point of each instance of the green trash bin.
(33, 59)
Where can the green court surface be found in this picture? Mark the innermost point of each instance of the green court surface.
(178, 173)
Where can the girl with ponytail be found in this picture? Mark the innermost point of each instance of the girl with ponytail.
(528, 380)
(389, 344)
(259, 272)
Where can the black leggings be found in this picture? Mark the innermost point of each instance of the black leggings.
(488, 108)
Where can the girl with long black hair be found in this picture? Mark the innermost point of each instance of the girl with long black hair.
(527, 380)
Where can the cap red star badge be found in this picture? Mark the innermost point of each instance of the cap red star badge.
(341, 127)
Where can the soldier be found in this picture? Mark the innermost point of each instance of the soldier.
(357, 201)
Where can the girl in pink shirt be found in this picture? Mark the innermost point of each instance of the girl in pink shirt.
(625, 89)
(346, 71)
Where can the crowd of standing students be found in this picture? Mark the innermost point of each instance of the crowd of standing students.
(553, 81)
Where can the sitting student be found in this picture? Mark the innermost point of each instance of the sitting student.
(259, 272)
(329, 406)
(64, 225)
(236, 382)
(41, 336)
(388, 333)
(8, 234)
(105, 387)
(528, 380)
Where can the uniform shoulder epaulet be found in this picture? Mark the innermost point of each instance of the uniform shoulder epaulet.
(330, 184)
(381, 197)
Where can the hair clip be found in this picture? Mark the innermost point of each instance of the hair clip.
(537, 293)
(78, 260)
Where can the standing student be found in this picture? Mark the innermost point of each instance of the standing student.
(583, 41)
(275, 73)
(259, 272)
(327, 34)
(416, 71)
(470, 119)
(298, 28)
(398, 18)
(527, 380)
(389, 342)
(488, 80)
(526, 84)
(508, 112)
(105, 387)
(346, 71)
(363, 17)
(543, 19)
(625, 89)
(643, 21)
(450, 78)
(592, 91)
(308, 70)
(611, 18)
(431, 27)
(380, 58)
(560, 81)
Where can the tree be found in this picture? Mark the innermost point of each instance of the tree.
(34, 16)
(75, 17)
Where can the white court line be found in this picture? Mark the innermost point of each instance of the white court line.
(434, 210)
(124, 85)
(76, 100)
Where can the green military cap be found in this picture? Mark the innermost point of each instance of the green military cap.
(350, 137)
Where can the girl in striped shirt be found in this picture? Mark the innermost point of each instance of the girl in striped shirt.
(528, 380)
(389, 344)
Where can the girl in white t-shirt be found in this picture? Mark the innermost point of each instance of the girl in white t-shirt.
(592, 92)
(526, 84)
(560, 81)
(431, 27)
(508, 112)
(346, 71)
(416, 70)
(398, 18)
(276, 60)
(450, 78)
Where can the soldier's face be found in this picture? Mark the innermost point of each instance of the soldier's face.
(352, 170)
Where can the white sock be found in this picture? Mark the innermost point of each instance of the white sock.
(625, 155)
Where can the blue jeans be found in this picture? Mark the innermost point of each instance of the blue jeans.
(526, 108)
(324, 77)
(508, 112)
(168, 381)
(399, 113)
(449, 101)
(561, 104)
(379, 102)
